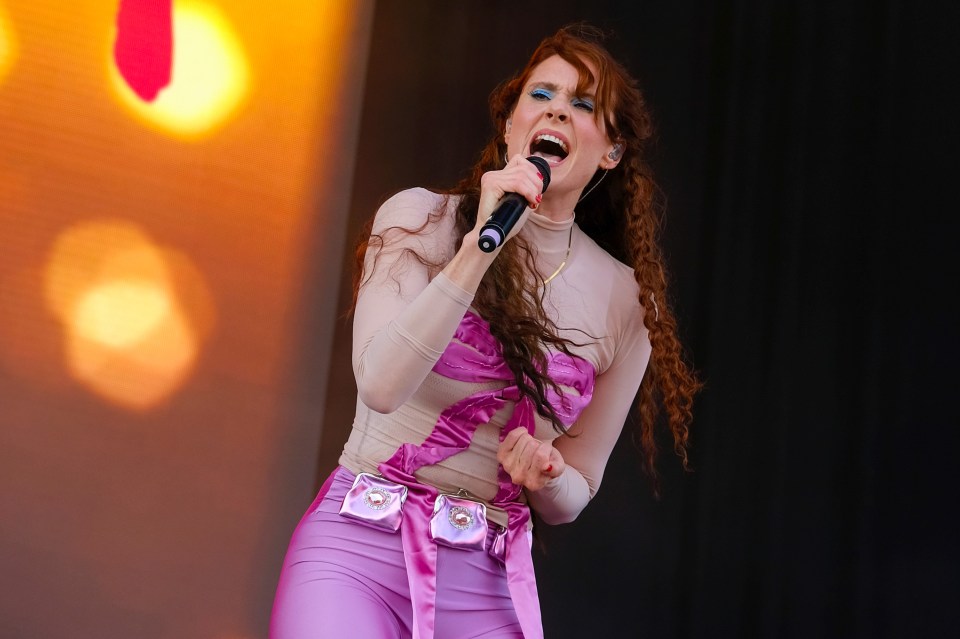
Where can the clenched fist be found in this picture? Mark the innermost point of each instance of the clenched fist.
(530, 462)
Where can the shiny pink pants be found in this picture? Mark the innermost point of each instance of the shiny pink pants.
(341, 579)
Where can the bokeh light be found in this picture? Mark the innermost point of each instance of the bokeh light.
(210, 77)
(120, 313)
(8, 44)
(123, 303)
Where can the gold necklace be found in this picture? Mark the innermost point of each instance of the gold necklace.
(565, 258)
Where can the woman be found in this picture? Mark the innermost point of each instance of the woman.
(494, 383)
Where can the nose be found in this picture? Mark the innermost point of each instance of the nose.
(557, 110)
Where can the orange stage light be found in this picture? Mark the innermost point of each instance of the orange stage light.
(8, 44)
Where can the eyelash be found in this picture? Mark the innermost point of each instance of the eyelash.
(586, 105)
(578, 103)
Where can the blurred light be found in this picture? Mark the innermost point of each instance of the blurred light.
(119, 299)
(210, 75)
(139, 374)
(8, 44)
(120, 314)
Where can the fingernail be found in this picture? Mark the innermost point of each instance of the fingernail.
(539, 197)
(540, 175)
(549, 468)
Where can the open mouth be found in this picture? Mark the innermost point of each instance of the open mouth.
(549, 147)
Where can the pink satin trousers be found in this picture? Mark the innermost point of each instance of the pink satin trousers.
(344, 580)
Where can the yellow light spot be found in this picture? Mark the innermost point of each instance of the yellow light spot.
(120, 314)
(8, 44)
(120, 299)
(137, 375)
(210, 75)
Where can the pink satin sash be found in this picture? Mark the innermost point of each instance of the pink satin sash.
(475, 356)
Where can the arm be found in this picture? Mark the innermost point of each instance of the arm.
(404, 320)
(561, 478)
(584, 456)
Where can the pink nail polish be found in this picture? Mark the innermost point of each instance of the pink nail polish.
(539, 197)
(540, 175)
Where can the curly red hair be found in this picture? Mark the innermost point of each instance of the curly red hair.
(623, 214)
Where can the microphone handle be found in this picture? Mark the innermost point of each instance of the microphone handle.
(494, 231)
(498, 226)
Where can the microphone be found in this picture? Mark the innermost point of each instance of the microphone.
(509, 209)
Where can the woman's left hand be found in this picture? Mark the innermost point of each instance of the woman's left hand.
(530, 462)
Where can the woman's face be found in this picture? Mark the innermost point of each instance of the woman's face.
(555, 122)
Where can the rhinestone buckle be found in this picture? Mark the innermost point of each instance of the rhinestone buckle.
(460, 518)
(377, 498)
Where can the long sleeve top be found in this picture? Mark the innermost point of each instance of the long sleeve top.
(407, 312)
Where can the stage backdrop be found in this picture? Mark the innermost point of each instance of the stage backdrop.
(163, 335)
(807, 150)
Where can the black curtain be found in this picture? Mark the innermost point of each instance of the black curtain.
(807, 150)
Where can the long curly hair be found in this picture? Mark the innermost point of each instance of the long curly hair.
(622, 214)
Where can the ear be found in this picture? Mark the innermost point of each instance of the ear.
(506, 130)
(612, 158)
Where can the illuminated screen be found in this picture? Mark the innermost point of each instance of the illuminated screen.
(160, 168)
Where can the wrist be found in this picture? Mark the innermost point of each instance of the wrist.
(470, 263)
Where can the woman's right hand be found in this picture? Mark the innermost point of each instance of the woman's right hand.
(518, 176)
(469, 265)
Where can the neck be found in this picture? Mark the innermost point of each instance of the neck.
(557, 209)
